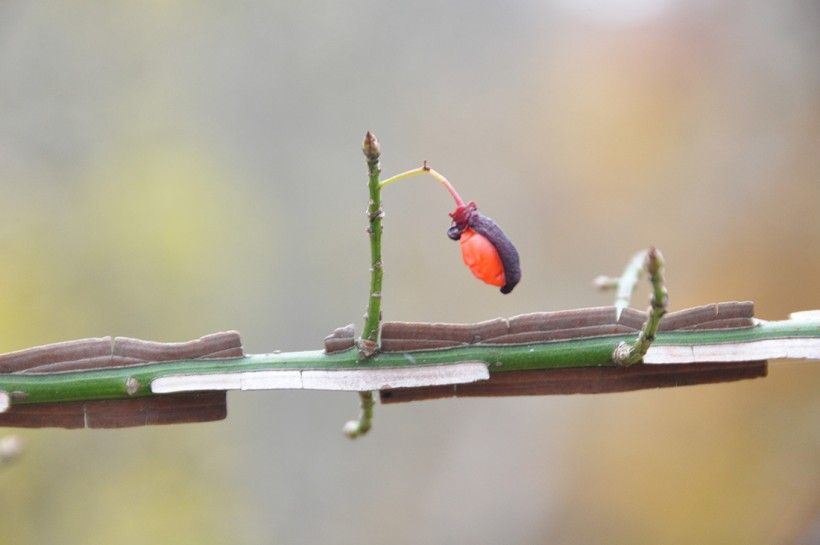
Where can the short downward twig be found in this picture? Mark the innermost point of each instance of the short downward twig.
(652, 260)
(357, 428)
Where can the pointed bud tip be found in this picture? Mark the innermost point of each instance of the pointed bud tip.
(371, 147)
(654, 260)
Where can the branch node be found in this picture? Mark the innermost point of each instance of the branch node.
(368, 348)
(132, 386)
(621, 354)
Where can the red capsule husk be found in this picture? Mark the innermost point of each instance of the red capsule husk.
(503, 245)
(482, 258)
(468, 217)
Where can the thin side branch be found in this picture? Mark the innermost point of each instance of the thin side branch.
(625, 284)
(625, 354)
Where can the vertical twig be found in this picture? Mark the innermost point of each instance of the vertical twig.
(370, 336)
(369, 343)
(625, 354)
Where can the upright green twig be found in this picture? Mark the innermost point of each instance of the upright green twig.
(626, 354)
(369, 343)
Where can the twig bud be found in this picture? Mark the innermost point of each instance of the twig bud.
(654, 260)
(11, 446)
(371, 147)
(604, 282)
(352, 429)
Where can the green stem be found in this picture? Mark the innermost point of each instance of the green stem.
(429, 171)
(370, 335)
(588, 352)
(406, 174)
(625, 354)
(369, 343)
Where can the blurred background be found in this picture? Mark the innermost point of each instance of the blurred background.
(170, 169)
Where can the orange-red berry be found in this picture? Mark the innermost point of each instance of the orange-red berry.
(486, 250)
(482, 258)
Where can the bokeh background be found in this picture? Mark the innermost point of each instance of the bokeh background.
(169, 169)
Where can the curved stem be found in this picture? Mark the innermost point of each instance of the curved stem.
(625, 354)
(357, 428)
(628, 281)
(426, 170)
(401, 176)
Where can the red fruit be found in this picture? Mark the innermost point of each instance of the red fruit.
(482, 258)
(486, 250)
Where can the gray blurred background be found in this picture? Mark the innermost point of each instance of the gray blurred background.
(170, 169)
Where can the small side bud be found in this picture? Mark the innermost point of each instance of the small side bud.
(371, 147)
(604, 282)
(11, 447)
(352, 429)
